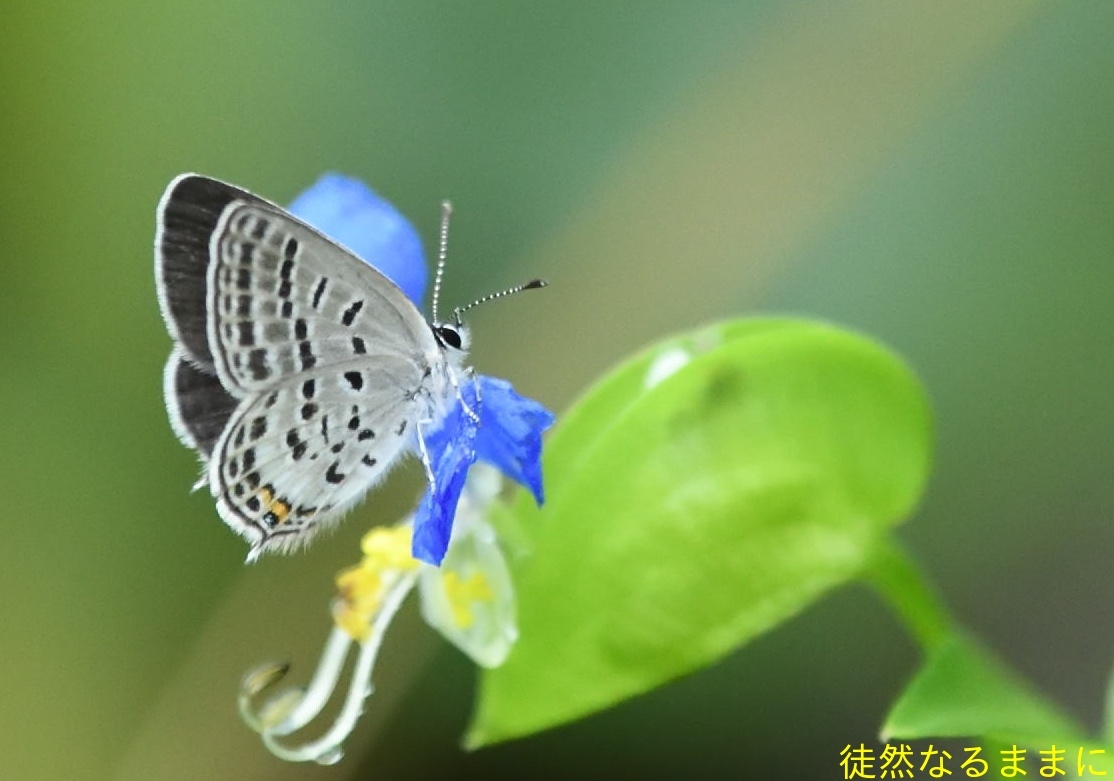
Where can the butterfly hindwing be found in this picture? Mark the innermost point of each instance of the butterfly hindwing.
(198, 405)
(297, 457)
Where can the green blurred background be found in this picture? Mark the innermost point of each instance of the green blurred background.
(937, 174)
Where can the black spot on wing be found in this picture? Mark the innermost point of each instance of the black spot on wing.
(350, 313)
(319, 291)
(305, 352)
(296, 444)
(257, 364)
(355, 380)
(259, 230)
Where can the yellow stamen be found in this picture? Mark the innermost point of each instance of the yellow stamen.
(463, 592)
(362, 588)
(388, 546)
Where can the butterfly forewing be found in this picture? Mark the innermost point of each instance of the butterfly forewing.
(285, 300)
(186, 219)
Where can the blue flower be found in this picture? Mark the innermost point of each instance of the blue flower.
(508, 436)
(348, 211)
(508, 431)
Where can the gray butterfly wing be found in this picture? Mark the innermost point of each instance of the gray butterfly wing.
(293, 350)
(253, 294)
(295, 458)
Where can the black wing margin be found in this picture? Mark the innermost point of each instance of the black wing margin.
(186, 217)
(198, 406)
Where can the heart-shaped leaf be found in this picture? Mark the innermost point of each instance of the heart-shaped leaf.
(701, 494)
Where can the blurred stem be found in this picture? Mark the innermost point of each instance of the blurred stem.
(897, 577)
(1108, 715)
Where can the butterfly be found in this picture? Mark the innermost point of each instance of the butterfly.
(299, 373)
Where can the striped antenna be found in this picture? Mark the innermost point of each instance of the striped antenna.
(533, 284)
(442, 253)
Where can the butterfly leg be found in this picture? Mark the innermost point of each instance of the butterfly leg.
(459, 397)
(426, 462)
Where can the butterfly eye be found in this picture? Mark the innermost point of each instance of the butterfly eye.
(448, 336)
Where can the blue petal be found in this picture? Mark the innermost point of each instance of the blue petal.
(509, 436)
(452, 451)
(348, 211)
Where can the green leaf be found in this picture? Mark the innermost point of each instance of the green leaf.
(963, 691)
(701, 494)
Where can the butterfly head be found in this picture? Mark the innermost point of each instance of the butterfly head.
(452, 336)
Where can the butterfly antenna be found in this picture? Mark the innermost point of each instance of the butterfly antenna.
(533, 284)
(442, 253)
